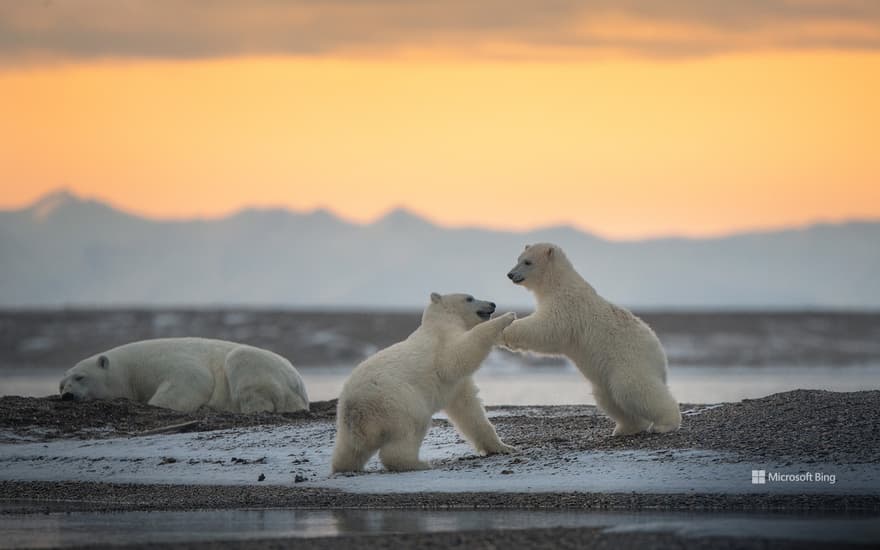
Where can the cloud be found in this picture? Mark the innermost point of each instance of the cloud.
(87, 29)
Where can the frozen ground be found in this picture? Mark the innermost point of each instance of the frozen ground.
(300, 455)
(829, 439)
(256, 482)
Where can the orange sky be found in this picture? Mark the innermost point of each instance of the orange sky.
(624, 145)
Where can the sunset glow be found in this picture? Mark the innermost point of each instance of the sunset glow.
(623, 144)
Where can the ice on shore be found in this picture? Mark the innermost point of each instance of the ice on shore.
(300, 455)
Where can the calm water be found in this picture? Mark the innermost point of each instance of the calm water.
(715, 356)
(87, 528)
(519, 385)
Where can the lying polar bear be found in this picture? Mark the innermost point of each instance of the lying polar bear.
(387, 402)
(187, 373)
(615, 350)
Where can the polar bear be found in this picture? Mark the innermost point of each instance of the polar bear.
(615, 350)
(187, 373)
(387, 402)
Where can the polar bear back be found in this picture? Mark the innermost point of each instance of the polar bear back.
(399, 376)
(146, 364)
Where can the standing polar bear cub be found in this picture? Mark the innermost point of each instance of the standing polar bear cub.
(387, 402)
(187, 373)
(615, 350)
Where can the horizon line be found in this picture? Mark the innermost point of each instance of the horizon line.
(67, 191)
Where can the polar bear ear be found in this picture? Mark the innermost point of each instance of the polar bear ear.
(103, 362)
(435, 298)
(527, 247)
(550, 251)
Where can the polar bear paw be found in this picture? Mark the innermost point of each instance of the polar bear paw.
(629, 429)
(499, 449)
(506, 320)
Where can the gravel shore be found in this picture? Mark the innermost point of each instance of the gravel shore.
(802, 427)
(799, 427)
(807, 425)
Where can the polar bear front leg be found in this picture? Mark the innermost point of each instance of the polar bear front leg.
(467, 414)
(530, 333)
(401, 453)
(472, 348)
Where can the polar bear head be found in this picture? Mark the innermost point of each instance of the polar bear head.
(89, 379)
(461, 308)
(537, 264)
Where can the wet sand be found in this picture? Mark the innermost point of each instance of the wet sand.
(538, 539)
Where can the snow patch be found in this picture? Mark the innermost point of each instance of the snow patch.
(300, 455)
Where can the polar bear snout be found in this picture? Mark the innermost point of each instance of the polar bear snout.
(486, 311)
(68, 396)
(516, 277)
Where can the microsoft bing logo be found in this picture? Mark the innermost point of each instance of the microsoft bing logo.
(759, 477)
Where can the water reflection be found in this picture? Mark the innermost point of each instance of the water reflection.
(58, 529)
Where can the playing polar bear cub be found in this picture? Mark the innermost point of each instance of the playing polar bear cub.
(187, 373)
(615, 350)
(388, 401)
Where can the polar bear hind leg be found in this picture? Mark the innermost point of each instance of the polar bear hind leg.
(358, 435)
(646, 405)
(667, 416)
(402, 454)
(401, 442)
(183, 396)
(253, 384)
(350, 454)
(625, 424)
(255, 402)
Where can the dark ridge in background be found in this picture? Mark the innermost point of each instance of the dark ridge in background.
(45, 338)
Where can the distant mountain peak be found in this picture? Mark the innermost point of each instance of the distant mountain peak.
(324, 214)
(49, 203)
(401, 217)
(279, 258)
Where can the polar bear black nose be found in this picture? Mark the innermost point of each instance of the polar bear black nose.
(67, 396)
(510, 275)
(492, 305)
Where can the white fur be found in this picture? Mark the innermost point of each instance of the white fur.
(387, 402)
(187, 373)
(615, 350)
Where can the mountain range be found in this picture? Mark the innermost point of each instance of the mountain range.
(64, 250)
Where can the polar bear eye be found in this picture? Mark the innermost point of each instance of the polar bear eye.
(79, 378)
(469, 299)
(528, 262)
